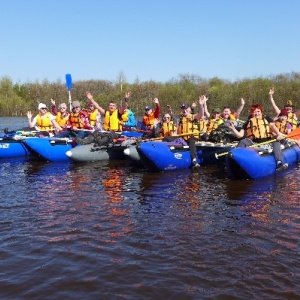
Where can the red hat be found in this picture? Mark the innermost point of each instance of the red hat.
(284, 112)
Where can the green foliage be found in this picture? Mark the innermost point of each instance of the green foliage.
(17, 99)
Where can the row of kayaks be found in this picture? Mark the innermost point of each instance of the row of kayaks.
(241, 163)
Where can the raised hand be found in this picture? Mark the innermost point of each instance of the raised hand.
(89, 95)
(29, 115)
(203, 99)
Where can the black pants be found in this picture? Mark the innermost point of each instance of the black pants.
(276, 147)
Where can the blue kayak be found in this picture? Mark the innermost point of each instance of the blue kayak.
(11, 147)
(255, 163)
(50, 149)
(169, 156)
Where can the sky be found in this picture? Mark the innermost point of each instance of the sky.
(155, 40)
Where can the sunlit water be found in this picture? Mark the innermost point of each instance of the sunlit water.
(110, 230)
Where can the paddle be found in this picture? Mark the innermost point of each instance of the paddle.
(69, 87)
(177, 135)
(293, 135)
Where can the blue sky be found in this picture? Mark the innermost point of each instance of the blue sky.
(148, 40)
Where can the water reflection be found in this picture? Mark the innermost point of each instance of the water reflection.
(109, 227)
(256, 197)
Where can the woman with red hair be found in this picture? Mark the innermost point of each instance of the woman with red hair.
(260, 129)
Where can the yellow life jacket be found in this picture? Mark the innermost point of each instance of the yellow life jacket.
(62, 121)
(213, 124)
(44, 122)
(93, 117)
(112, 121)
(190, 125)
(292, 118)
(149, 120)
(258, 129)
(282, 126)
(74, 119)
(167, 129)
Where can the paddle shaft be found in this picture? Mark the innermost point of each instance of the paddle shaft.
(69, 87)
(252, 146)
(177, 135)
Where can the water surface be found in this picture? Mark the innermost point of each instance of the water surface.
(110, 230)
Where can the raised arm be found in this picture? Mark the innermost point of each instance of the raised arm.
(157, 108)
(91, 98)
(125, 103)
(203, 112)
(276, 108)
(240, 108)
(53, 107)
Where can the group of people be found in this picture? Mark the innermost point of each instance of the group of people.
(257, 129)
(86, 124)
(189, 126)
(81, 122)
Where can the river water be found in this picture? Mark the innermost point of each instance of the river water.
(111, 230)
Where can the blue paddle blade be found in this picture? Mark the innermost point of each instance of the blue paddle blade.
(69, 81)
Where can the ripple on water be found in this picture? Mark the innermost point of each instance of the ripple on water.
(110, 231)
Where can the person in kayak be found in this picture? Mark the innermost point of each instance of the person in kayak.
(62, 114)
(78, 124)
(94, 116)
(282, 123)
(151, 116)
(260, 129)
(113, 115)
(44, 121)
(190, 127)
(113, 122)
(227, 114)
(168, 128)
(292, 116)
(214, 121)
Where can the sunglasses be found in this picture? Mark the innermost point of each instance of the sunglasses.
(44, 108)
(166, 117)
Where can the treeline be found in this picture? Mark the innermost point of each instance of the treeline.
(17, 99)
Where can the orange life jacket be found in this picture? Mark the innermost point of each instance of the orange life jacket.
(258, 129)
(149, 120)
(167, 129)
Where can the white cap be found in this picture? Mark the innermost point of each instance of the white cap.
(42, 105)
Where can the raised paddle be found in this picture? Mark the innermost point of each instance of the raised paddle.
(293, 135)
(69, 87)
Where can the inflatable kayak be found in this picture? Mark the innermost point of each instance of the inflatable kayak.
(168, 156)
(50, 149)
(255, 163)
(12, 146)
(92, 152)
